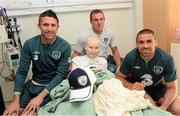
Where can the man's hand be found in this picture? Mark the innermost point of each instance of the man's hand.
(33, 105)
(163, 108)
(137, 86)
(12, 109)
(147, 96)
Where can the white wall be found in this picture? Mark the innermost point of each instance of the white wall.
(124, 22)
(120, 21)
(174, 48)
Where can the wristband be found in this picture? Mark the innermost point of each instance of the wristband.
(117, 69)
(46, 91)
(17, 93)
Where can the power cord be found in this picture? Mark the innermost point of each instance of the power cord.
(11, 77)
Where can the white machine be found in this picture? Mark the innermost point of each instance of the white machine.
(3, 34)
(12, 57)
(11, 53)
(9, 48)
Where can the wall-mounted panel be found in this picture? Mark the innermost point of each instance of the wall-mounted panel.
(25, 7)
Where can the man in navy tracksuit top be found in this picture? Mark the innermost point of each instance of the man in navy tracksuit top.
(50, 56)
(149, 68)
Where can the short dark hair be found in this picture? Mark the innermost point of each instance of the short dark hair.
(145, 31)
(49, 13)
(95, 11)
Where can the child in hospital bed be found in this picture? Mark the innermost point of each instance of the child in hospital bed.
(90, 59)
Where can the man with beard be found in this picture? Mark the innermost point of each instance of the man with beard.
(149, 68)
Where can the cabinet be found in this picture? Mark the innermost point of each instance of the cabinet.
(163, 17)
(175, 47)
(2, 105)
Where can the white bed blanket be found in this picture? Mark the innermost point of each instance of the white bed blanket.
(112, 98)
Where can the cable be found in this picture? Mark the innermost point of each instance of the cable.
(11, 76)
(17, 32)
(3, 60)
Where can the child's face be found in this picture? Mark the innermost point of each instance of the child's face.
(92, 48)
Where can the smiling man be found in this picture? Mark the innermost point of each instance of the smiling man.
(107, 39)
(149, 68)
(50, 56)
